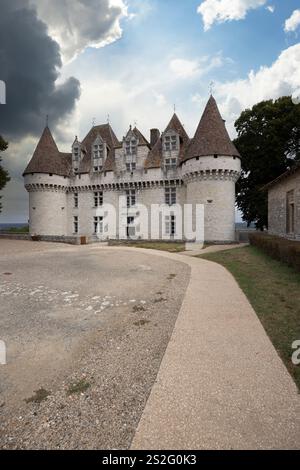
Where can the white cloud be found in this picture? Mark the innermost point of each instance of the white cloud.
(184, 68)
(160, 99)
(281, 78)
(219, 11)
(293, 22)
(77, 24)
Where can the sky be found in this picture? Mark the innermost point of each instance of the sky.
(132, 61)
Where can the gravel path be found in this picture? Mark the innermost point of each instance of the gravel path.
(108, 332)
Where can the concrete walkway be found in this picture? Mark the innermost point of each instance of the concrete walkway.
(221, 384)
(213, 249)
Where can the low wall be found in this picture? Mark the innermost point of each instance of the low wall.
(15, 236)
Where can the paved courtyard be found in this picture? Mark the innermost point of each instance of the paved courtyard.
(72, 313)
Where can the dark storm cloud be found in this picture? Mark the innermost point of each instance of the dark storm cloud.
(29, 64)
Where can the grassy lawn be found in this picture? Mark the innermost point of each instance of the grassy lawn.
(172, 247)
(24, 229)
(273, 289)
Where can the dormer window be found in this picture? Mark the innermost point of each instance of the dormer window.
(170, 163)
(76, 155)
(99, 154)
(131, 146)
(130, 151)
(98, 151)
(170, 142)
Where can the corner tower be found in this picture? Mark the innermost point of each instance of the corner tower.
(46, 180)
(210, 169)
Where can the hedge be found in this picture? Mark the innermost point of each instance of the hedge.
(287, 251)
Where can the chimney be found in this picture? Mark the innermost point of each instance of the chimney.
(154, 136)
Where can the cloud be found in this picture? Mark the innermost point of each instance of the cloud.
(219, 11)
(77, 24)
(160, 99)
(280, 79)
(29, 64)
(184, 68)
(293, 22)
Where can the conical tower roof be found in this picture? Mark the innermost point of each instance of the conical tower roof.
(211, 137)
(47, 158)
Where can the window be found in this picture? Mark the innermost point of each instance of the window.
(130, 153)
(131, 166)
(131, 146)
(75, 200)
(98, 199)
(170, 225)
(98, 168)
(98, 151)
(170, 196)
(131, 197)
(170, 142)
(75, 219)
(290, 212)
(76, 154)
(98, 155)
(170, 163)
(98, 224)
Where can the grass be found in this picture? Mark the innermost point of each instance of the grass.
(79, 387)
(24, 229)
(172, 247)
(273, 290)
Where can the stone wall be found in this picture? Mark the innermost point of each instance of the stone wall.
(277, 206)
(47, 204)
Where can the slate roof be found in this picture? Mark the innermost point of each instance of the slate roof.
(142, 140)
(211, 137)
(47, 158)
(154, 159)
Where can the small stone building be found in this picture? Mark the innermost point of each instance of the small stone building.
(284, 204)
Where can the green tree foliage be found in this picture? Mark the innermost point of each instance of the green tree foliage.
(4, 178)
(269, 143)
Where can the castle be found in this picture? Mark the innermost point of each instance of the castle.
(68, 192)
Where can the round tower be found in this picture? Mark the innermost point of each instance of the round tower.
(210, 170)
(46, 180)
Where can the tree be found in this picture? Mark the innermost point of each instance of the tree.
(4, 178)
(269, 143)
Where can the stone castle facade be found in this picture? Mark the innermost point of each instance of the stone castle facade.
(284, 204)
(69, 192)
